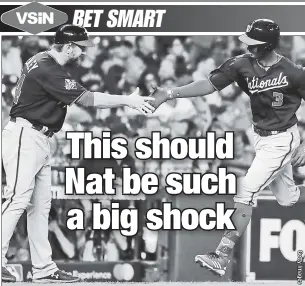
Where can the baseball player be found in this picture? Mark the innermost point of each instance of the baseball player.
(276, 87)
(43, 92)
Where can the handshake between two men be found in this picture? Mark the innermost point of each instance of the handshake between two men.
(149, 104)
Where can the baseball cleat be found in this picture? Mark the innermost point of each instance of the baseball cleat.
(213, 262)
(59, 276)
(7, 276)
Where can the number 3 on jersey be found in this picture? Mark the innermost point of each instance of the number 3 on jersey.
(18, 88)
(278, 99)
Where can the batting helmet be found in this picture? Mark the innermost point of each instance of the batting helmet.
(262, 32)
(72, 34)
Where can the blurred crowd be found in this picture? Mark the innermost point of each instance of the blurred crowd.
(117, 65)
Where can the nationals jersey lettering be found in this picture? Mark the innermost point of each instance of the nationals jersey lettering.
(43, 92)
(257, 85)
(275, 94)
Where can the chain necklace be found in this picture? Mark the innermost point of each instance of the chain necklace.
(278, 57)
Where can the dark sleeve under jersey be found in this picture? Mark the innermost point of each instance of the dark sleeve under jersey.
(60, 85)
(224, 75)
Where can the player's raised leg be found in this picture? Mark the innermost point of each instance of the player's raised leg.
(273, 154)
(284, 188)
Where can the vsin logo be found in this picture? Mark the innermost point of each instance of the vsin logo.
(34, 18)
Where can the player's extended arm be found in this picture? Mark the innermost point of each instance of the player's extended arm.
(197, 88)
(104, 100)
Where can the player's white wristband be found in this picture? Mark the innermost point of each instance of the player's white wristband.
(170, 94)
